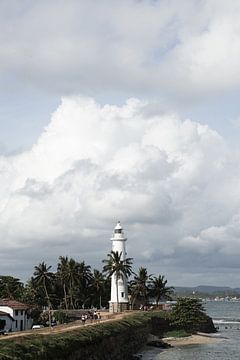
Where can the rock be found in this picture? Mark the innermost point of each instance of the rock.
(159, 343)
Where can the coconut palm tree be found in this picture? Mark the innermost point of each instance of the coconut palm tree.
(85, 274)
(43, 278)
(63, 274)
(139, 286)
(97, 286)
(73, 277)
(117, 268)
(159, 289)
(82, 284)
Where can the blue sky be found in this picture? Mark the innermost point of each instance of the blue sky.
(121, 110)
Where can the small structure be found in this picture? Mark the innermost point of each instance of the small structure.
(15, 314)
(120, 287)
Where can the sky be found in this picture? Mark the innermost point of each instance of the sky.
(121, 110)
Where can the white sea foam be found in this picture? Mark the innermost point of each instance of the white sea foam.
(226, 321)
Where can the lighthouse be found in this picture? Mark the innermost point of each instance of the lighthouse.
(119, 289)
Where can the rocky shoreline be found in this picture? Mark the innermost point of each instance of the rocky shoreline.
(169, 342)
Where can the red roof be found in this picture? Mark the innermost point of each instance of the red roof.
(13, 304)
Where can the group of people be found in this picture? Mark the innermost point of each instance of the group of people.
(91, 315)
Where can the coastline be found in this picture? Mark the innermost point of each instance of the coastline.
(196, 339)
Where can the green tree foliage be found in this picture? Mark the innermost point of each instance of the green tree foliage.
(73, 286)
(60, 317)
(11, 287)
(43, 280)
(140, 286)
(82, 289)
(159, 289)
(63, 276)
(188, 314)
(97, 288)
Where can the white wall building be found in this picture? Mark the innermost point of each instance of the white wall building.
(16, 315)
(119, 287)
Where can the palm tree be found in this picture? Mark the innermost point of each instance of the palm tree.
(73, 276)
(11, 287)
(63, 274)
(82, 284)
(159, 289)
(97, 286)
(117, 268)
(139, 286)
(33, 294)
(85, 274)
(43, 279)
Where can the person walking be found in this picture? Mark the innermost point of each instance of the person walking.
(83, 319)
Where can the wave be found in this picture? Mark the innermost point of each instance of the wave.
(226, 321)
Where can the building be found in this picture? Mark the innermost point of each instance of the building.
(15, 314)
(119, 289)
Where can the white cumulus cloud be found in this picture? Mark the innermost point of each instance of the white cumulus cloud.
(172, 182)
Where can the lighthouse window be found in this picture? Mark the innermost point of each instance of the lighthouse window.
(122, 294)
(118, 231)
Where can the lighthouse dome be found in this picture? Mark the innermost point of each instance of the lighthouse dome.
(118, 233)
(118, 228)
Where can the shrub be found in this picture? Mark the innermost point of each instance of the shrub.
(61, 317)
(188, 314)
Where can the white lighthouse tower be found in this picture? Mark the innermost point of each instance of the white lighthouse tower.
(119, 288)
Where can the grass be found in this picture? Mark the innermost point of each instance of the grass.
(176, 333)
(83, 340)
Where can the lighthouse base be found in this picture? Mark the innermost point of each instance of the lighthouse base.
(120, 307)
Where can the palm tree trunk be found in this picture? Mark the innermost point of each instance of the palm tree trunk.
(49, 303)
(65, 296)
(117, 293)
(133, 301)
(71, 295)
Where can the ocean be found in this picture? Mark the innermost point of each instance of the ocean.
(226, 316)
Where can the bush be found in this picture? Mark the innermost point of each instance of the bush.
(61, 317)
(189, 314)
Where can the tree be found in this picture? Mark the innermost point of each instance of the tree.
(117, 268)
(61, 317)
(34, 294)
(139, 286)
(72, 278)
(11, 287)
(97, 287)
(159, 289)
(43, 279)
(63, 275)
(188, 314)
(82, 284)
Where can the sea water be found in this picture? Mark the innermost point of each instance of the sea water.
(226, 316)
